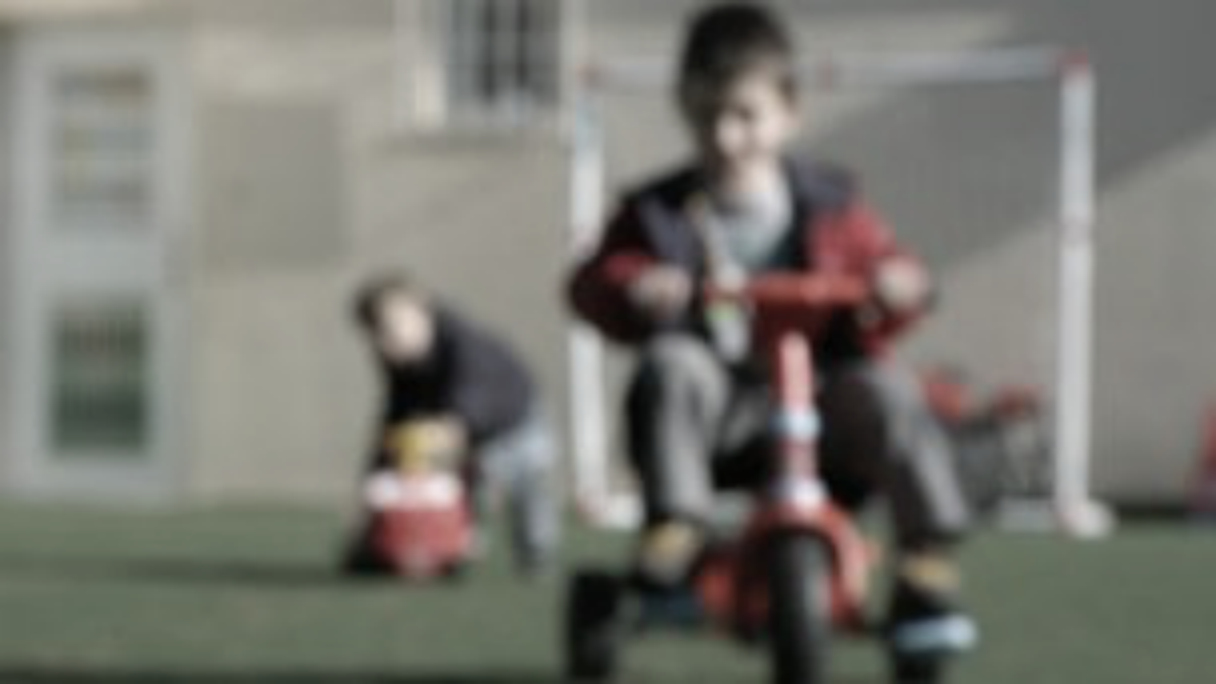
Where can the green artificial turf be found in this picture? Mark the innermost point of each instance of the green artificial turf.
(245, 595)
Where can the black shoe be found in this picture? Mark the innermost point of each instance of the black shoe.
(925, 630)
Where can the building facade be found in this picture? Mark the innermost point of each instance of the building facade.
(190, 189)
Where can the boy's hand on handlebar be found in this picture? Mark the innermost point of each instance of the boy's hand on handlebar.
(663, 292)
(902, 286)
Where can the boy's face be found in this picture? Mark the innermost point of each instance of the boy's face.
(747, 123)
(405, 329)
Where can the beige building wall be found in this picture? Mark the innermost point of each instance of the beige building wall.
(307, 186)
(303, 185)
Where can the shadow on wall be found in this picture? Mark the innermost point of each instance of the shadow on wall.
(1154, 97)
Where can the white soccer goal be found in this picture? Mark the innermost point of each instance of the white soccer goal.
(984, 163)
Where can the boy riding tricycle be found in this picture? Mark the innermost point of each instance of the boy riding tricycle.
(763, 298)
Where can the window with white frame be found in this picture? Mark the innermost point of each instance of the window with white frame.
(480, 62)
(102, 148)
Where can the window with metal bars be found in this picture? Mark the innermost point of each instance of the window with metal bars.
(479, 63)
(502, 64)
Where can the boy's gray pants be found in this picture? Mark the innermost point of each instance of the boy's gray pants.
(520, 466)
(692, 420)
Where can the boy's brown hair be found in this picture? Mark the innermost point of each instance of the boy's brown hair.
(365, 309)
(728, 40)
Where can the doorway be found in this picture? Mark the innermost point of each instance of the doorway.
(100, 198)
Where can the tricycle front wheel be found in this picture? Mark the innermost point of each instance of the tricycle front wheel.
(800, 610)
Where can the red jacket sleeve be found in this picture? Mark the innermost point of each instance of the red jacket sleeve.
(598, 289)
(855, 239)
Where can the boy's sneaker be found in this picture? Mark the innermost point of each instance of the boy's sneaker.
(668, 552)
(925, 630)
(924, 621)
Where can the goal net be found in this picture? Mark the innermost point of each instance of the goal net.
(981, 161)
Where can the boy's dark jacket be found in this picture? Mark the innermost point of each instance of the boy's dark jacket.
(470, 374)
(835, 233)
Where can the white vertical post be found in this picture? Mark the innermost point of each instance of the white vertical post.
(420, 86)
(1078, 513)
(585, 355)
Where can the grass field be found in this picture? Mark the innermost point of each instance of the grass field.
(241, 596)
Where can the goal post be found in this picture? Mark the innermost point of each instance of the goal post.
(855, 89)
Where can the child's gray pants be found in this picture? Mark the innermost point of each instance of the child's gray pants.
(692, 420)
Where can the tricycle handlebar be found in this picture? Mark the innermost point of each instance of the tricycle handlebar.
(786, 291)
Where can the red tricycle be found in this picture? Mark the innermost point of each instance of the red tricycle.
(798, 568)
(419, 523)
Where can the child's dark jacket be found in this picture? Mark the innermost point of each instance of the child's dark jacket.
(471, 375)
(835, 232)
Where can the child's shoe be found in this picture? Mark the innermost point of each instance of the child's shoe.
(926, 627)
(668, 552)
